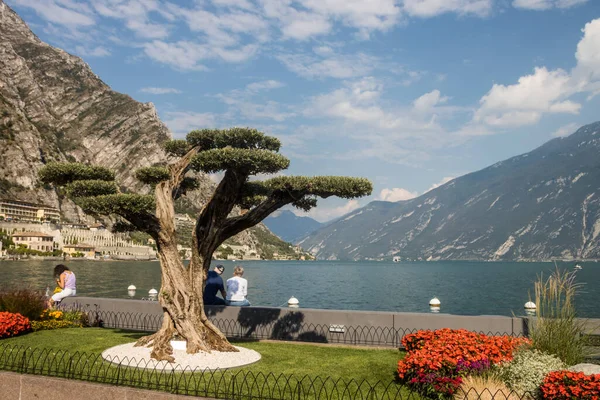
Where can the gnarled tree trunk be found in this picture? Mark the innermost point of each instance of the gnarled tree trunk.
(181, 288)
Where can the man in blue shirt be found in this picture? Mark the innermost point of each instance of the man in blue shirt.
(214, 284)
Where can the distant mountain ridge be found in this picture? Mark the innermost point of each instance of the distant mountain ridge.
(541, 205)
(290, 227)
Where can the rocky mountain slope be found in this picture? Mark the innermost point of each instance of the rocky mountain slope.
(289, 227)
(537, 206)
(54, 108)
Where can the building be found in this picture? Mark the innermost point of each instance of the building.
(22, 211)
(87, 250)
(34, 240)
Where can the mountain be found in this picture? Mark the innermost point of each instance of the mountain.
(289, 227)
(54, 108)
(541, 205)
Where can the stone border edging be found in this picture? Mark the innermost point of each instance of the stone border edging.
(15, 386)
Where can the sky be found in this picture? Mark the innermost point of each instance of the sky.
(407, 93)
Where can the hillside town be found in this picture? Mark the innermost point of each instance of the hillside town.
(29, 230)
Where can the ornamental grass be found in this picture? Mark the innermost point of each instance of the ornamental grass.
(486, 387)
(556, 330)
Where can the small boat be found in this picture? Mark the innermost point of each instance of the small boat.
(578, 267)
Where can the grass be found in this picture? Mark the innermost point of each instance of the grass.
(556, 329)
(281, 357)
(285, 371)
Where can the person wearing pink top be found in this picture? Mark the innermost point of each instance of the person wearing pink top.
(65, 279)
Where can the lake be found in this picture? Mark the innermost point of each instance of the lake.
(466, 288)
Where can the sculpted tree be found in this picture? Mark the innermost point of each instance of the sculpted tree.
(239, 153)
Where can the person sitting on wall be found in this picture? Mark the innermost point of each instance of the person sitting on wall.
(214, 284)
(65, 279)
(237, 289)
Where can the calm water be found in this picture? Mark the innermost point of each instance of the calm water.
(468, 288)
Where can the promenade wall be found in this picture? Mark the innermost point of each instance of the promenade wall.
(328, 326)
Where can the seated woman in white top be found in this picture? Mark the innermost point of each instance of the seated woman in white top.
(237, 289)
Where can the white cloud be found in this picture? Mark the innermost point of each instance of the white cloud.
(361, 14)
(185, 55)
(324, 213)
(329, 64)
(524, 103)
(432, 8)
(61, 12)
(429, 100)
(588, 53)
(97, 51)
(545, 91)
(444, 180)
(399, 194)
(264, 85)
(137, 16)
(546, 4)
(182, 122)
(180, 55)
(565, 130)
(158, 90)
(244, 102)
(305, 19)
(396, 194)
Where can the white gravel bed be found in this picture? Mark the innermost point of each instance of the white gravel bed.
(127, 354)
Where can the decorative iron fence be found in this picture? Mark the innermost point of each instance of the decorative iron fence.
(289, 327)
(220, 384)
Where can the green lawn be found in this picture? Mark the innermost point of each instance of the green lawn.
(294, 360)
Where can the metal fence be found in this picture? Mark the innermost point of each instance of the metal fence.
(221, 384)
(290, 327)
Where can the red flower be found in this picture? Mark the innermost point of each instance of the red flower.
(13, 324)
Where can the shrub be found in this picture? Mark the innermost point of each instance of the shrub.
(12, 324)
(56, 319)
(437, 361)
(526, 372)
(567, 385)
(486, 387)
(27, 302)
(556, 329)
(53, 324)
(50, 314)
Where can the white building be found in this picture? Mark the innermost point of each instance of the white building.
(34, 240)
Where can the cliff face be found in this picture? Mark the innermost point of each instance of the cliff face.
(537, 206)
(53, 107)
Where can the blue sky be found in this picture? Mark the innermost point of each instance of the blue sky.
(408, 93)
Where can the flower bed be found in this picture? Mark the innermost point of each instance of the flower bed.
(12, 324)
(438, 360)
(567, 385)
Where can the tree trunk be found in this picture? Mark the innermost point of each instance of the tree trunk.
(181, 288)
(183, 309)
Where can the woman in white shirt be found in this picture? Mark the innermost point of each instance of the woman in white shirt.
(237, 289)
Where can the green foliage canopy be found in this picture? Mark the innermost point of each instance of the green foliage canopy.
(152, 175)
(124, 204)
(63, 173)
(89, 188)
(248, 161)
(239, 138)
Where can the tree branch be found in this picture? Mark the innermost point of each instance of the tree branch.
(218, 208)
(234, 225)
